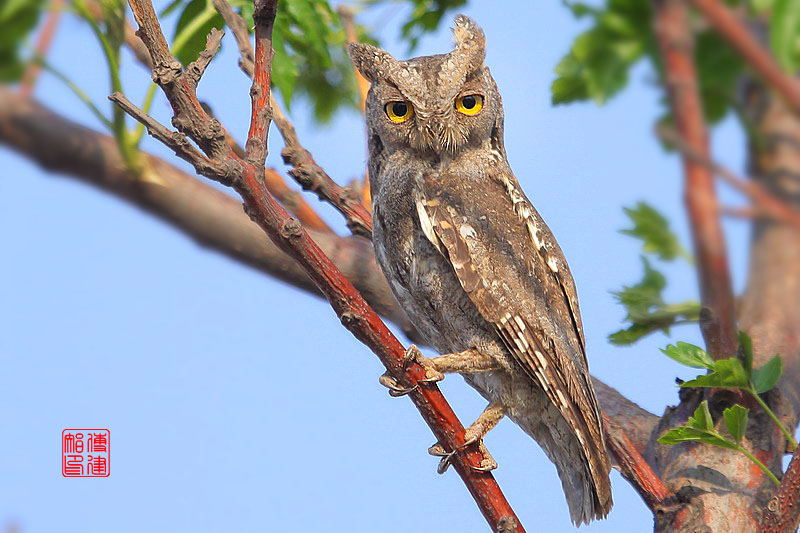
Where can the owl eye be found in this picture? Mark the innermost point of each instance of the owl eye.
(399, 111)
(470, 104)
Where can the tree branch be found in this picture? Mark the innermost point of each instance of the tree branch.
(246, 176)
(783, 510)
(748, 46)
(216, 220)
(717, 319)
(634, 467)
(765, 201)
(305, 170)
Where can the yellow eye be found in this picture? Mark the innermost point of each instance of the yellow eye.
(399, 111)
(470, 104)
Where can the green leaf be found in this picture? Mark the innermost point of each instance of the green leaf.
(192, 29)
(727, 373)
(784, 27)
(699, 428)
(736, 421)
(599, 59)
(426, 16)
(689, 355)
(17, 19)
(765, 378)
(646, 310)
(747, 350)
(687, 434)
(719, 68)
(652, 228)
(173, 6)
(701, 418)
(761, 5)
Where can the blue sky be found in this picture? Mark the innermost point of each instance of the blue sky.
(237, 403)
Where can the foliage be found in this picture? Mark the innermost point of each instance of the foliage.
(653, 229)
(599, 61)
(784, 31)
(17, 18)
(645, 308)
(734, 373)
(701, 428)
(426, 15)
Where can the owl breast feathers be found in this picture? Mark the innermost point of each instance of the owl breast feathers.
(472, 262)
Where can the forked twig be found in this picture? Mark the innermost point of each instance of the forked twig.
(304, 170)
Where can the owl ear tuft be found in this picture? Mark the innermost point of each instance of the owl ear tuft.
(373, 63)
(469, 38)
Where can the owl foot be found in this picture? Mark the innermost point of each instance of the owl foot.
(432, 375)
(487, 462)
(395, 390)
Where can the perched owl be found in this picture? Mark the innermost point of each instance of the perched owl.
(473, 264)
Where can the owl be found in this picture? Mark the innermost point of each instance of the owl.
(473, 264)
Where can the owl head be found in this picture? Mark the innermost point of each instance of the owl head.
(434, 104)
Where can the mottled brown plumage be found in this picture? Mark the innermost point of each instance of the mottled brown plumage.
(472, 262)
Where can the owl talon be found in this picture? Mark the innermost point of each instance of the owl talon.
(395, 390)
(487, 463)
(437, 450)
(414, 355)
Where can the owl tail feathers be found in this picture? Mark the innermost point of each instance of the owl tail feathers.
(588, 493)
(584, 472)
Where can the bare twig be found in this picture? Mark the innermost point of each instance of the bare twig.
(240, 32)
(745, 213)
(46, 35)
(718, 321)
(782, 513)
(290, 199)
(246, 177)
(743, 41)
(313, 178)
(764, 200)
(304, 170)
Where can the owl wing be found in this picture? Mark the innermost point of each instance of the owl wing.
(507, 261)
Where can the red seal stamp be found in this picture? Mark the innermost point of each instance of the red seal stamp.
(85, 452)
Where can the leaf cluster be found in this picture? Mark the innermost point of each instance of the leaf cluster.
(645, 308)
(729, 373)
(600, 59)
(17, 18)
(734, 372)
(426, 16)
(309, 42)
(784, 30)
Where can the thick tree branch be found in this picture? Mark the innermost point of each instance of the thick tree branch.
(717, 319)
(247, 178)
(748, 46)
(783, 510)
